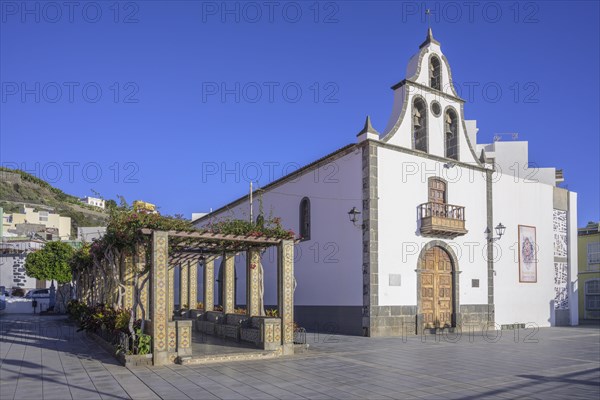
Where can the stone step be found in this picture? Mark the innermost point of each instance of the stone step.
(218, 358)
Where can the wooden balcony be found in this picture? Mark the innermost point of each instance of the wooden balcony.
(442, 220)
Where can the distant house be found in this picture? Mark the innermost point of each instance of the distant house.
(144, 207)
(44, 223)
(89, 233)
(13, 252)
(92, 201)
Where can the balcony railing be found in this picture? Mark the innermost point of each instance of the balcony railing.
(442, 220)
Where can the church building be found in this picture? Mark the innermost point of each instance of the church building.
(421, 227)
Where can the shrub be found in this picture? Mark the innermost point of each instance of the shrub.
(18, 292)
(273, 313)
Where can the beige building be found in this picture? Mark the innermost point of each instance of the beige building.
(589, 271)
(31, 216)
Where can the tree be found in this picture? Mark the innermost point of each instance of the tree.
(50, 263)
(110, 204)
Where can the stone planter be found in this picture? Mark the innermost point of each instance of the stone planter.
(128, 360)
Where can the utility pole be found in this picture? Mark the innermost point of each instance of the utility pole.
(251, 217)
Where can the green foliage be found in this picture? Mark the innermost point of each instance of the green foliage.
(76, 309)
(124, 225)
(122, 320)
(52, 262)
(81, 260)
(18, 292)
(273, 312)
(110, 322)
(144, 343)
(33, 179)
(270, 228)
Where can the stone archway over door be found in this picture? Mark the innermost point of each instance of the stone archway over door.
(436, 289)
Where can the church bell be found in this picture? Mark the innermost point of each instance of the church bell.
(417, 119)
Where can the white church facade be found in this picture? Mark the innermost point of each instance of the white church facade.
(421, 227)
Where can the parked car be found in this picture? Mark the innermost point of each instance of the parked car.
(37, 293)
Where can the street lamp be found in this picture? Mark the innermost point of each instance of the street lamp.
(500, 229)
(353, 215)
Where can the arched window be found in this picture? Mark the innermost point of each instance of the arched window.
(419, 123)
(435, 73)
(451, 133)
(305, 219)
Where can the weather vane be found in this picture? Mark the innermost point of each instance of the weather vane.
(428, 16)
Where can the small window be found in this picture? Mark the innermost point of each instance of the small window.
(592, 295)
(305, 219)
(593, 253)
(474, 282)
(43, 216)
(436, 108)
(435, 73)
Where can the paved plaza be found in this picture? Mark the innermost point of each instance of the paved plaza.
(45, 358)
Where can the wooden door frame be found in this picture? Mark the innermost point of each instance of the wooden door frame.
(455, 283)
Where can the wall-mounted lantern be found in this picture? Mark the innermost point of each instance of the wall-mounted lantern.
(353, 215)
(500, 229)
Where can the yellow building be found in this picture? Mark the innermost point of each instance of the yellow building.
(28, 215)
(144, 207)
(588, 243)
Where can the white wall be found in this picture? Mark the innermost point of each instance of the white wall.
(519, 202)
(573, 257)
(403, 185)
(328, 267)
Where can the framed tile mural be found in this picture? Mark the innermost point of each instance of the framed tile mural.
(527, 254)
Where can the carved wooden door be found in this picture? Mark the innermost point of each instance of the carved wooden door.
(436, 289)
(437, 190)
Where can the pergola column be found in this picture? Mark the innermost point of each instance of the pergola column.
(228, 265)
(285, 294)
(208, 298)
(183, 284)
(252, 281)
(160, 292)
(193, 284)
(127, 274)
(140, 264)
(171, 291)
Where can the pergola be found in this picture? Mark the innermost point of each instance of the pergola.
(172, 338)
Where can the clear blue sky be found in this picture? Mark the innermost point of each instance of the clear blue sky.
(162, 116)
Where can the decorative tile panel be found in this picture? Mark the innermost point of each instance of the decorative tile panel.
(159, 299)
(560, 233)
(183, 284)
(561, 281)
(209, 285)
(193, 285)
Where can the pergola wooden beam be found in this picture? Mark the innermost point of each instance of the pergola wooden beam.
(207, 236)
